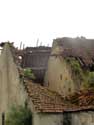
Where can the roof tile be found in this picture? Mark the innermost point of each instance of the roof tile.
(44, 99)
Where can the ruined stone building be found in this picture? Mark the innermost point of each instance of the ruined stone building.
(59, 101)
(71, 60)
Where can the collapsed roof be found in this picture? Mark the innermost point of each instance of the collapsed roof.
(80, 48)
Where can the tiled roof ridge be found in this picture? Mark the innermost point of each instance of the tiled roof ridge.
(44, 100)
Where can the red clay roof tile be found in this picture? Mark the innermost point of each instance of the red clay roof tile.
(44, 99)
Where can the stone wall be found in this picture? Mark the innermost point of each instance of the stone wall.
(58, 76)
(48, 119)
(69, 118)
(11, 88)
(79, 118)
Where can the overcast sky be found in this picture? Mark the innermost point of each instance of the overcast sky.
(29, 20)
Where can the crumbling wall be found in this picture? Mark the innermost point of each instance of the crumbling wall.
(48, 119)
(58, 76)
(11, 89)
(83, 118)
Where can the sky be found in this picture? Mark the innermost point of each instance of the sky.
(30, 21)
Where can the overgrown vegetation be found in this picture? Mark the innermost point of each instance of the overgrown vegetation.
(19, 115)
(29, 74)
(76, 68)
(86, 77)
(89, 80)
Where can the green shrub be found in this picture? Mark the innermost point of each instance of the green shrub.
(74, 65)
(91, 79)
(19, 116)
(28, 73)
(76, 68)
(84, 76)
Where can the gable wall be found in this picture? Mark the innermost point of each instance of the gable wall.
(58, 76)
(11, 89)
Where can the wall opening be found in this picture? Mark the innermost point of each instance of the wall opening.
(69, 89)
(60, 76)
(67, 119)
(3, 118)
